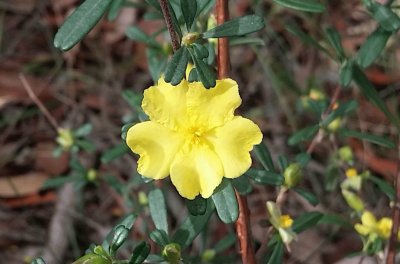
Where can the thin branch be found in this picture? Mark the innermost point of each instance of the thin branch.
(36, 100)
(223, 43)
(391, 256)
(170, 26)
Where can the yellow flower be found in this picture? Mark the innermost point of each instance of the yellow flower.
(193, 136)
(285, 221)
(65, 138)
(372, 228)
(282, 223)
(351, 172)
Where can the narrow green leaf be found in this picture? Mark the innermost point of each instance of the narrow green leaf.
(246, 41)
(193, 76)
(310, 197)
(335, 40)
(160, 237)
(225, 202)
(306, 220)
(114, 153)
(197, 206)
(236, 27)
(155, 4)
(140, 253)
(242, 185)
(334, 219)
(277, 254)
(135, 33)
(225, 243)
(86, 145)
(283, 162)
(384, 186)
(303, 159)
(83, 130)
(128, 221)
(384, 142)
(204, 72)
(119, 237)
(341, 111)
(372, 47)
(192, 226)
(38, 261)
(265, 177)
(303, 135)
(264, 156)
(295, 30)
(346, 73)
(176, 67)
(368, 90)
(115, 7)
(59, 181)
(302, 5)
(158, 209)
(124, 130)
(189, 10)
(388, 19)
(79, 23)
(200, 50)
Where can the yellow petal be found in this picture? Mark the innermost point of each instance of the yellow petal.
(212, 107)
(362, 230)
(232, 143)
(196, 170)
(385, 227)
(166, 104)
(157, 147)
(274, 214)
(368, 219)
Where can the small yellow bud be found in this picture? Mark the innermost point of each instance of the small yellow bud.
(65, 138)
(293, 175)
(346, 154)
(91, 175)
(316, 95)
(172, 253)
(351, 172)
(208, 255)
(190, 38)
(334, 125)
(285, 221)
(142, 197)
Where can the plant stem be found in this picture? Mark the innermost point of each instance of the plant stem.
(170, 26)
(242, 224)
(391, 256)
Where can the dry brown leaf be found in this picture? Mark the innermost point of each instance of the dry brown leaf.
(21, 185)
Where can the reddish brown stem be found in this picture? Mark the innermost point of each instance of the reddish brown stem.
(391, 256)
(242, 224)
(223, 43)
(170, 26)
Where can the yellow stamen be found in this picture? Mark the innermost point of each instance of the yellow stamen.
(351, 172)
(285, 221)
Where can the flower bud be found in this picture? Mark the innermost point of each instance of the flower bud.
(142, 197)
(353, 200)
(172, 253)
(65, 138)
(293, 175)
(334, 125)
(346, 154)
(91, 175)
(208, 255)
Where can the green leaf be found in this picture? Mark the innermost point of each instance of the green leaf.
(388, 19)
(334, 219)
(303, 158)
(384, 186)
(76, 165)
(225, 202)
(115, 7)
(225, 243)
(310, 197)
(92, 259)
(303, 135)
(38, 261)
(197, 206)
(83, 130)
(277, 253)
(341, 111)
(192, 226)
(246, 41)
(264, 156)
(176, 67)
(236, 27)
(242, 185)
(85, 145)
(119, 237)
(306, 220)
(79, 23)
(114, 153)
(200, 50)
(124, 130)
(302, 5)
(204, 72)
(265, 177)
(283, 162)
(189, 10)
(368, 90)
(372, 47)
(156, 62)
(140, 253)
(59, 181)
(138, 35)
(295, 30)
(128, 221)
(158, 209)
(346, 73)
(160, 237)
(384, 142)
(155, 4)
(336, 42)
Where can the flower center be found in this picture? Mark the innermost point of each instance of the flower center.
(286, 221)
(194, 135)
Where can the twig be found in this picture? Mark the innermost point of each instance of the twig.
(242, 224)
(170, 26)
(36, 100)
(223, 43)
(391, 256)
